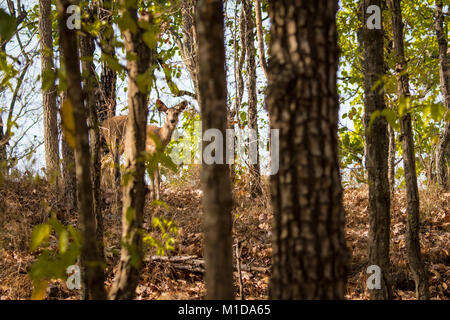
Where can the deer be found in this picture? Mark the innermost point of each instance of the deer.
(113, 131)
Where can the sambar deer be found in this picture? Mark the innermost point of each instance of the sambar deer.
(113, 130)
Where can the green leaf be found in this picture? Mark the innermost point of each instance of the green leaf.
(437, 112)
(39, 290)
(63, 241)
(8, 25)
(391, 118)
(404, 106)
(39, 234)
(68, 122)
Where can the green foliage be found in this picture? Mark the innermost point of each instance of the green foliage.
(168, 231)
(51, 263)
(8, 25)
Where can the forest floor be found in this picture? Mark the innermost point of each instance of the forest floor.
(25, 203)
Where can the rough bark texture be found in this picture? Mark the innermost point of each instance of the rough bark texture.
(49, 95)
(92, 104)
(90, 259)
(376, 152)
(255, 175)
(391, 160)
(68, 167)
(127, 276)
(415, 261)
(310, 258)
(108, 77)
(239, 68)
(443, 147)
(215, 178)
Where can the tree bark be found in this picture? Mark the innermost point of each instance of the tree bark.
(90, 259)
(108, 77)
(217, 201)
(415, 261)
(376, 152)
(260, 35)
(68, 166)
(51, 142)
(93, 105)
(310, 257)
(255, 175)
(443, 147)
(126, 280)
(391, 160)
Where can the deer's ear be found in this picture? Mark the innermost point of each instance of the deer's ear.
(182, 105)
(161, 106)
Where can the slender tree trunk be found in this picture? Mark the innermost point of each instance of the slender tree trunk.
(376, 152)
(443, 147)
(3, 158)
(68, 166)
(93, 105)
(412, 194)
(310, 257)
(255, 176)
(391, 160)
(126, 280)
(108, 76)
(260, 35)
(49, 94)
(217, 201)
(90, 259)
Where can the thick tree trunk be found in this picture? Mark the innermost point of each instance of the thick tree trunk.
(93, 105)
(217, 201)
(51, 142)
(391, 160)
(255, 175)
(443, 147)
(376, 153)
(126, 280)
(415, 261)
(90, 259)
(310, 257)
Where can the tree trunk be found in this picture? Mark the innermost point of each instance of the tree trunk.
(260, 35)
(376, 153)
(68, 166)
(126, 280)
(93, 105)
(108, 76)
(90, 259)
(310, 257)
(217, 201)
(443, 147)
(49, 94)
(3, 142)
(255, 176)
(412, 194)
(391, 160)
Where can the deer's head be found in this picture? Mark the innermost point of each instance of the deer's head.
(171, 113)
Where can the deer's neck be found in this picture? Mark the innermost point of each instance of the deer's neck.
(165, 134)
